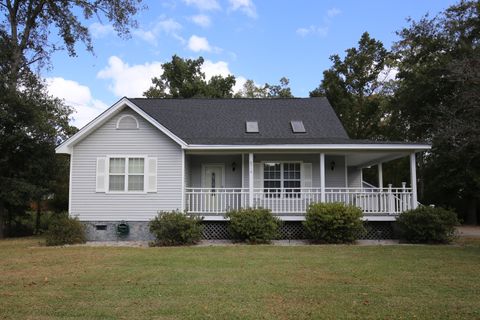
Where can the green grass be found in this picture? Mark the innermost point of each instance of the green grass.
(239, 282)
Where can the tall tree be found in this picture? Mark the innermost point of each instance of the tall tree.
(31, 122)
(26, 27)
(251, 90)
(438, 100)
(183, 78)
(31, 125)
(358, 87)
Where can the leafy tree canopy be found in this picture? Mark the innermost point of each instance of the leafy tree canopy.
(26, 27)
(358, 87)
(183, 78)
(438, 100)
(251, 90)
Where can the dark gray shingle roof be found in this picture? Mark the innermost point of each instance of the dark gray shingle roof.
(222, 121)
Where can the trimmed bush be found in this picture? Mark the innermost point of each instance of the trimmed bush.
(428, 225)
(175, 229)
(333, 223)
(64, 229)
(253, 225)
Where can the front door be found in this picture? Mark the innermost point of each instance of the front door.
(212, 181)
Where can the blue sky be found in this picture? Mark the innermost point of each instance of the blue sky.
(251, 39)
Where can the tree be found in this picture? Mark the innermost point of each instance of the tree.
(183, 78)
(31, 125)
(27, 25)
(250, 90)
(438, 100)
(358, 87)
(31, 122)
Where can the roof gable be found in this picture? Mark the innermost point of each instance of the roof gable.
(66, 146)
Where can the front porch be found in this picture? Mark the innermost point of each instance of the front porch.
(288, 202)
(287, 183)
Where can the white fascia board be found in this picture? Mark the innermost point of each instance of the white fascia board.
(391, 147)
(66, 146)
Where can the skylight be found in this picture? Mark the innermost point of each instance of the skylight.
(251, 126)
(297, 126)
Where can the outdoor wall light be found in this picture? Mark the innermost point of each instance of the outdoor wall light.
(332, 165)
(234, 165)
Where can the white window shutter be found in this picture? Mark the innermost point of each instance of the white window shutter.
(306, 175)
(101, 179)
(151, 174)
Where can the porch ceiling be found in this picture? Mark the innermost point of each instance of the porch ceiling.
(365, 158)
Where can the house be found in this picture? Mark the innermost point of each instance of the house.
(208, 156)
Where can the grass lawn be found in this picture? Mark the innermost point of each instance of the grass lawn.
(239, 282)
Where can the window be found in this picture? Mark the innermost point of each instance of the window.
(126, 174)
(281, 179)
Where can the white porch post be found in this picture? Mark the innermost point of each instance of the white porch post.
(380, 175)
(183, 181)
(413, 180)
(322, 177)
(250, 180)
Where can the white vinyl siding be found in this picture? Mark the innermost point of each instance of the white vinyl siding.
(354, 177)
(193, 174)
(91, 202)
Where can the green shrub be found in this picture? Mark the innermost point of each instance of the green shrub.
(175, 228)
(333, 223)
(64, 229)
(428, 225)
(253, 225)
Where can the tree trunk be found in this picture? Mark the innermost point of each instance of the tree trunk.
(2, 219)
(471, 212)
(37, 220)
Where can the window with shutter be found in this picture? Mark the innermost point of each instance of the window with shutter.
(123, 174)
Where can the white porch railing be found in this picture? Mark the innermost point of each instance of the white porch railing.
(215, 201)
(372, 201)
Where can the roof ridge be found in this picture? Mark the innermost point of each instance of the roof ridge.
(229, 99)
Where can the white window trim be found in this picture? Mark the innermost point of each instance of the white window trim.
(126, 116)
(126, 157)
(282, 162)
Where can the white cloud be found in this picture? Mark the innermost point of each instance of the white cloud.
(246, 6)
(201, 20)
(321, 30)
(99, 30)
(333, 12)
(77, 96)
(204, 5)
(168, 26)
(220, 68)
(197, 44)
(130, 81)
